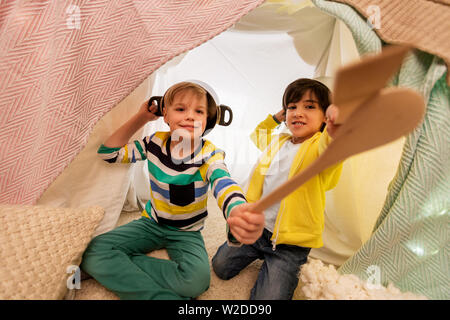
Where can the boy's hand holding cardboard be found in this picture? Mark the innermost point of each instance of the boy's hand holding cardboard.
(245, 223)
(331, 116)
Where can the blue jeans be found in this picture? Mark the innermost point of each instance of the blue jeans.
(278, 276)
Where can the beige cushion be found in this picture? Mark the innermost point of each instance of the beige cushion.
(40, 248)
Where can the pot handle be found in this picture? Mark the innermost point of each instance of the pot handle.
(222, 110)
(158, 100)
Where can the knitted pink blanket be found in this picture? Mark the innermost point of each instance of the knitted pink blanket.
(64, 64)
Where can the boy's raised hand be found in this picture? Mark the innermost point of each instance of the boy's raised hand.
(331, 116)
(146, 114)
(121, 136)
(245, 224)
(280, 115)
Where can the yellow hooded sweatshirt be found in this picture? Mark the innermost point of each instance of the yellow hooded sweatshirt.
(300, 220)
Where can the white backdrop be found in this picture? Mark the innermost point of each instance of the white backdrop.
(249, 73)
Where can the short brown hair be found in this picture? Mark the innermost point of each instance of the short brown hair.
(197, 89)
(295, 91)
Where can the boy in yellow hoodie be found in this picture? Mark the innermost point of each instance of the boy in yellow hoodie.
(295, 225)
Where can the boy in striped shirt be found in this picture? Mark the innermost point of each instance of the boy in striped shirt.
(181, 167)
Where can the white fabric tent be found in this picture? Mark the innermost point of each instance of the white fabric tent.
(249, 66)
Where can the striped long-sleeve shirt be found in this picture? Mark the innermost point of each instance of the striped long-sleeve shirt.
(178, 189)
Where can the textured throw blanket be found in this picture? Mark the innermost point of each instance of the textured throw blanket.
(410, 241)
(64, 64)
(422, 24)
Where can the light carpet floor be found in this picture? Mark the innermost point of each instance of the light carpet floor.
(237, 288)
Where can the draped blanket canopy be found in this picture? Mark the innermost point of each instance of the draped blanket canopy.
(422, 24)
(64, 64)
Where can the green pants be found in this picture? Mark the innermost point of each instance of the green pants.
(117, 259)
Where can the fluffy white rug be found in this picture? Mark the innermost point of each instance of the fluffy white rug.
(322, 282)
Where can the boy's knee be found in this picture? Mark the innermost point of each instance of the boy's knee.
(93, 253)
(196, 284)
(98, 243)
(220, 268)
(203, 281)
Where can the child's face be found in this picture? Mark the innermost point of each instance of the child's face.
(187, 114)
(305, 117)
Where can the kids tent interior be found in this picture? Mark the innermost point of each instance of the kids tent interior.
(71, 74)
